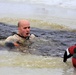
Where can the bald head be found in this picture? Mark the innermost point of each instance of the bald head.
(23, 22)
(24, 28)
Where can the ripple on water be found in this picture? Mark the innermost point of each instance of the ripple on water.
(16, 59)
(13, 63)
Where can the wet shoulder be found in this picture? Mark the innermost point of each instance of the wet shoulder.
(32, 36)
(12, 38)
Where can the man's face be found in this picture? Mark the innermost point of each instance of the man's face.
(24, 29)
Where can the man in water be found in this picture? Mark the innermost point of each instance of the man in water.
(21, 39)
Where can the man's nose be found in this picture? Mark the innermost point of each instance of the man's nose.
(28, 29)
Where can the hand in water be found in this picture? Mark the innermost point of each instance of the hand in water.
(10, 45)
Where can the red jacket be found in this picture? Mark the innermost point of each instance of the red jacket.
(71, 49)
(74, 60)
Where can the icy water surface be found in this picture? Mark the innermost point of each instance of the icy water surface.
(13, 63)
(45, 56)
(62, 13)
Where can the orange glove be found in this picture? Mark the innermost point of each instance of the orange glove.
(16, 44)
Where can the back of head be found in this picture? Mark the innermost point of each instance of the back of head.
(23, 22)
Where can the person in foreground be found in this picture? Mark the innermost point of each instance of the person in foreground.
(70, 52)
(22, 38)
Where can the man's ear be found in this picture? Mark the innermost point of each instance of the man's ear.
(18, 30)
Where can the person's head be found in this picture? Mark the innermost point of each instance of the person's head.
(24, 28)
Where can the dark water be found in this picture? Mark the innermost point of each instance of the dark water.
(48, 43)
(44, 56)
